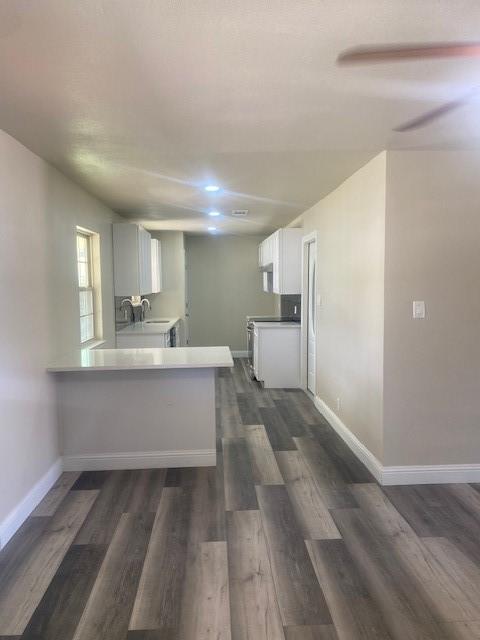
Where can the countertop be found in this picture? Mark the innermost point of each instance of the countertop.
(143, 359)
(148, 327)
(276, 325)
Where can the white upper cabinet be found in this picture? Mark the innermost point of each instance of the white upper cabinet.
(265, 252)
(281, 255)
(132, 260)
(156, 265)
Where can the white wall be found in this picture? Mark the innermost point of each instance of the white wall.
(404, 227)
(224, 286)
(350, 225)
(39, 210)
(432, 366)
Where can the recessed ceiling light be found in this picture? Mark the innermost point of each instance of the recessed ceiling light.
(212, 228)
(214, 213)
(212, 188)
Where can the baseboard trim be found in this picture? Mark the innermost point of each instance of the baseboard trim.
(24, 508)
(141, 460)
(431, 474)
(390, 475)
(359, 449)
(239, 354)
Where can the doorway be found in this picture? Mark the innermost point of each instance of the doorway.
(309, 288)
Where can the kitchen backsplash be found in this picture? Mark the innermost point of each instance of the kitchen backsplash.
(290, 305)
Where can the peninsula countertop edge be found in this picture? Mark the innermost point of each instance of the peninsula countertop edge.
(142, 359)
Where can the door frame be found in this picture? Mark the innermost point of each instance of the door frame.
(306, 240)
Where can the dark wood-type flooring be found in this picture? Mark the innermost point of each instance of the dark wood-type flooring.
(289, 537)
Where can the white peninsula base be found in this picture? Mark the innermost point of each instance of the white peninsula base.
(132, 417)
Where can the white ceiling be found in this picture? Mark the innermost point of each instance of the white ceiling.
(143, 102)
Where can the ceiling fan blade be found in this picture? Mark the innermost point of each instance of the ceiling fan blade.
(434, 114)
(400, 52)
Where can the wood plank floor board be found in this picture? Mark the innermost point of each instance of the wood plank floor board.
(57, 493)
(254, 606)
(240, 381)
(107, 612)
(93, 480)
(335, 491)
(264, 464)
(305, 406)
(173, 477)
(114, 499)
(277, 430)
(153, 634)
(238, 476)
(205, 609)
(313, 517)
(446, 576)
(354, 611)
(20, 596)
(157, 603)
(349, 466)
(147, 486)
(403, 606)
(454, 589)
(61, 608)
(19, 548)
(292, 417)
(299, 595)
(249, 412)
(436, 511)
(231, 425)
(462, 630)
(207, 506)
(318, 632)
(422, 507)
(261, 396)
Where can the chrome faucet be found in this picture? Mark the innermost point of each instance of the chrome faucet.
(123, 304)
(145, 304)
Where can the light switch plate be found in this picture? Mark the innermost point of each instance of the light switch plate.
(419, 309)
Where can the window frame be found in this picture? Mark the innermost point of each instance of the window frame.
(88, 236)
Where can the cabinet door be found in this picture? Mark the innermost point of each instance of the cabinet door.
(156, 266)
(157, 341)
(260, 254)
(276, 261)
(145, 260)
(159, 266)
(126, 264)
(291, 261)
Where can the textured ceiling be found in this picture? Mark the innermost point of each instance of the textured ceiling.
(143, 102)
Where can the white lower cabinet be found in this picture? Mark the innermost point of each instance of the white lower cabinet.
(159, 340)
(276, 354)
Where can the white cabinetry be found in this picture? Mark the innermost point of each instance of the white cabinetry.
(132, 341)
(132, 260)
(281, 255)
(276, 354)
(156, 266)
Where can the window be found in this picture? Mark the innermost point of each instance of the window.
(86, 291)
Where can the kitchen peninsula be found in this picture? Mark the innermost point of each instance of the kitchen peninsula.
(138, 408)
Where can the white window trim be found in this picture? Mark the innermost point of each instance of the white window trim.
(96, 287)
